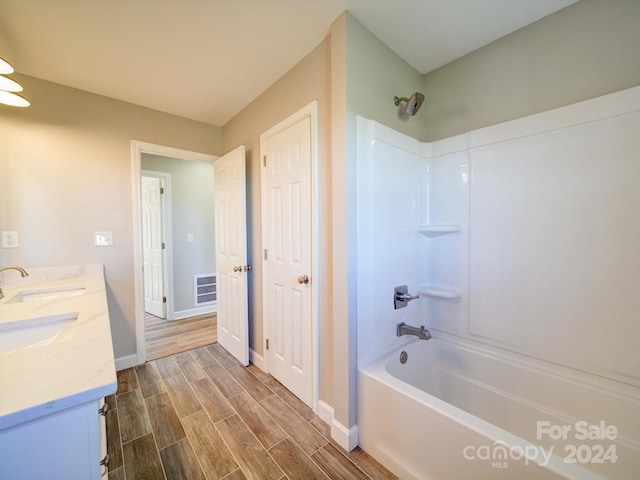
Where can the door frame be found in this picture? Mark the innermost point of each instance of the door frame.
(310, 111)
(137, 149)
(167, 228)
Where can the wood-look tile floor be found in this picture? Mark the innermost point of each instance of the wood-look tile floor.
(168, 337)
(201, 415)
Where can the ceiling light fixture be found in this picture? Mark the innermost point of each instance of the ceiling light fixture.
(8, 87)
(5, 68)
(12, 99)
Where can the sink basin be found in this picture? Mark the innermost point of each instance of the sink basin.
(32, 332)
(52, 293)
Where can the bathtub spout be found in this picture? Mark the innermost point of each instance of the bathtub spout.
(404, 329)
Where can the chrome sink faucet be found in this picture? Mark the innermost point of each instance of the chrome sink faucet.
(404, 329)
(23, 273)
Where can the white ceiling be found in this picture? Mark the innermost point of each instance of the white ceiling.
(207, 59)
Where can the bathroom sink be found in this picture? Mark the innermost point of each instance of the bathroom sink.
(32, 332)
(52, 293)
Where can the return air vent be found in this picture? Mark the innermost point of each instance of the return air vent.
(204, 289)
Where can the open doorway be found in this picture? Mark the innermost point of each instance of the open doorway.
(175, 280)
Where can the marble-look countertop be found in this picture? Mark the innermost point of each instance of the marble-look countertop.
(74, 366)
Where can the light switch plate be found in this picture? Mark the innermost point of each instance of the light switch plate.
(103, 239)
(9, 239)
(189, 237)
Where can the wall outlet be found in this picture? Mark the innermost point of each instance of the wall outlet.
(9, 239)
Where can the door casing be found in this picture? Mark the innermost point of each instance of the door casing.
(137, 149)
(310, 111)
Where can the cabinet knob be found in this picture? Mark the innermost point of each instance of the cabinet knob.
(105, 461)
(103, 409)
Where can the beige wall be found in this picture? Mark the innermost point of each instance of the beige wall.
(309, 80)
(65, 172)
(583, 51)
(366, 75)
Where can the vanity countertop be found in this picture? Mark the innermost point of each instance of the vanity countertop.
(44, 374)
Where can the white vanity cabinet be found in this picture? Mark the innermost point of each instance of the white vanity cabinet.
(67, 445)
(56, 367)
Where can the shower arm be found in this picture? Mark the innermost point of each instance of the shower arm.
(397, 100)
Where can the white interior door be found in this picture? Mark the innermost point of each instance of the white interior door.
(153, 246)
(231, 253)
(287, 155)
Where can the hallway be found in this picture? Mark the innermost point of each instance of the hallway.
(168, 337)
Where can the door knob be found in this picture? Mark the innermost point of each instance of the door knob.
(237, 269)
(246, 268)
(303, 279)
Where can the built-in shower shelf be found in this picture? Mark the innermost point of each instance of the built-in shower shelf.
(433, 230)
(438, 292)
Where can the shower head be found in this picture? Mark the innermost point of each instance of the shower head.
(413, 103)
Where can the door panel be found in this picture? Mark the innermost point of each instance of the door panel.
(288, 223)
(152, 243)
(231, 253)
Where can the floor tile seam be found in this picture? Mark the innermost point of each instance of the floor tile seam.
(115, 410)
(265, 412)
(260, 443)
(156, 449)
(303, 452)
(203, 366)
(186, 437)
(161, 375)
(257, 378)
(243, 387)
(229, 449)
(155, 442)
(327, 442)
(205, 409)
(232, 378)
(293, 410)
(180, 366)
(341, 452)
(153, 366)
(188, 384)
(284, 399)
(219, 435)
(231, 473)
(153, 436)
(289, 435)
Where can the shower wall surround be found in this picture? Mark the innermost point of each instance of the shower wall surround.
(522, 236)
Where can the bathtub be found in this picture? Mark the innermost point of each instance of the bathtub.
(455, 410)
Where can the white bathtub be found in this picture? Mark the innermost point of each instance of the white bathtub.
(456, 411)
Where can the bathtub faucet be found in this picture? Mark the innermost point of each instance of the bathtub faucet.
(404, 329)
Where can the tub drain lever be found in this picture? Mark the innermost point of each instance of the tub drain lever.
(401, 297)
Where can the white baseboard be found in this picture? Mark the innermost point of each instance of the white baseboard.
(192, 312)
(347, 438)
(129, 361)
(256, 359)
(325, 412)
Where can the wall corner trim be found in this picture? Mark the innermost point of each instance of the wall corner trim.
(347, 438)
(128, 361)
